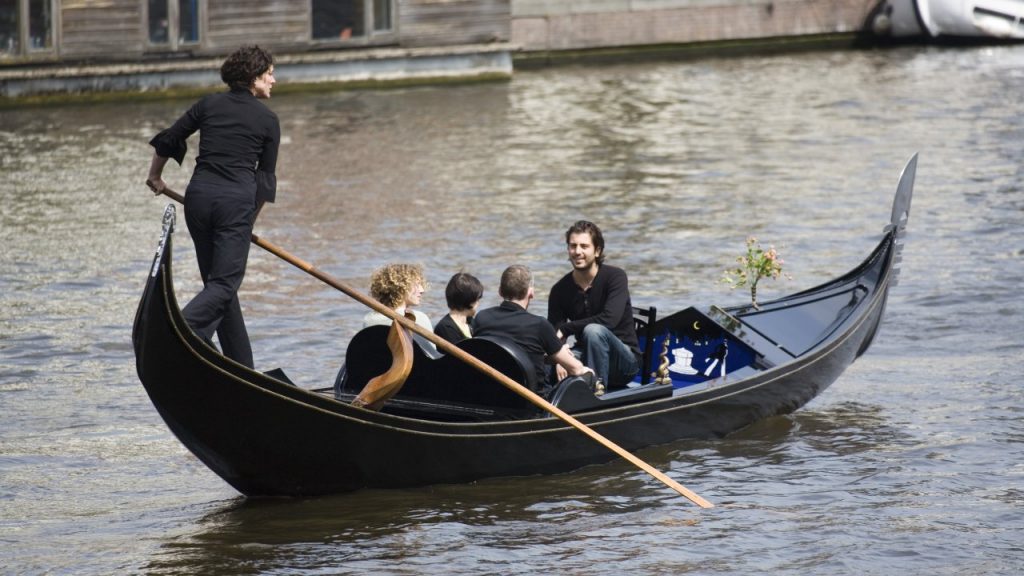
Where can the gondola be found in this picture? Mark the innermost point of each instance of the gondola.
(708, 372)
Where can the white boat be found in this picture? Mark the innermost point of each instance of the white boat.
(997, 19)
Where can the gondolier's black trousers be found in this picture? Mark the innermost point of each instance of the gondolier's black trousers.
(220, 221)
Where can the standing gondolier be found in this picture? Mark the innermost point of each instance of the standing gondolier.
(234, 176)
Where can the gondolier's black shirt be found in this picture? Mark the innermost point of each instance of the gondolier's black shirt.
(238, 142)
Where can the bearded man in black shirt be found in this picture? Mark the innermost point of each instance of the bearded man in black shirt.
(234, 176)
(592, 304)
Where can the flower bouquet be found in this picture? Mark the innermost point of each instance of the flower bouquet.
(756, 264)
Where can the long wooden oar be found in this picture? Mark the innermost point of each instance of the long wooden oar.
(473, 361)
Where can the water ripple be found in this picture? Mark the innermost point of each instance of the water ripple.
(907, 464)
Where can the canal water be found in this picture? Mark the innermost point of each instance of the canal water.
(912, 462)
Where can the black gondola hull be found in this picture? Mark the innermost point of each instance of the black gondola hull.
(266, 437)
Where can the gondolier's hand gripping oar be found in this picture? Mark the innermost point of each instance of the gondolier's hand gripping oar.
(473, 361)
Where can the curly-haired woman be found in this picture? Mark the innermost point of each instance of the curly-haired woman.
(399, 287)
(233, 177)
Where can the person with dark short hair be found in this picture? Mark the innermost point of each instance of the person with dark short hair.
(592, 303)
(234, 175)
(530, 332)
(463, 295)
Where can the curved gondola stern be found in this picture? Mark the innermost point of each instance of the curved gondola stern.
(853, 304)
(897, 227)
(901, 213)
(151, 291)
(220, 410)
(904, 193)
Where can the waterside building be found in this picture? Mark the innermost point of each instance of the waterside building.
(54, 47)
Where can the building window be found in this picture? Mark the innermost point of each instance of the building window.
(26, 26)
(381, 15)
(172, 23)
(350, 19)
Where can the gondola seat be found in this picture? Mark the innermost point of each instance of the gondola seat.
(469, 385)
(643, 322)
(439, 378)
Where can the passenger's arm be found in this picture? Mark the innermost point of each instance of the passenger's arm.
(566, 363)
(556, 316)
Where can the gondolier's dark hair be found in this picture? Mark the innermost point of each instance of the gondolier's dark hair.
(515, 282)
(245, 65)
(463, 291)
(588, 227)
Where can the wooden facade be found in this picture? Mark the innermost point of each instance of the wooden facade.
(75, 31)
(72, 46)
(446, 22)
(96, 29)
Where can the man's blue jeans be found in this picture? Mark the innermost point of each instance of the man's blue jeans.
(611, 360)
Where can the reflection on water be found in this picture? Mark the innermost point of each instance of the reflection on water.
(907, 461)
(501, 523)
